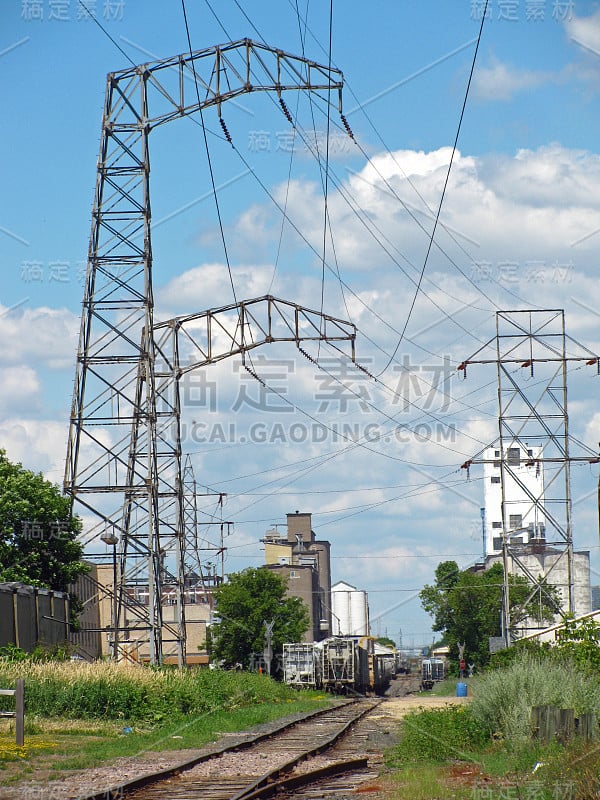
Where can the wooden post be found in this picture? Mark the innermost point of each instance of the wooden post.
(567, 724)
(587, 726)
(20, 712)
(547, 722)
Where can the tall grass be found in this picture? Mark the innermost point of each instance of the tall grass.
(113, 691)
(503, 698)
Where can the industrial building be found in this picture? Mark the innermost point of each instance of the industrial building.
(305, 563)
(298, 556)
(520, 488)
(542, 560)
(95, 639)
(524, 519)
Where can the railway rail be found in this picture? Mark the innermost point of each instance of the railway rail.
(281, 761)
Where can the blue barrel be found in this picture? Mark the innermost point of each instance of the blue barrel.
(461, 689)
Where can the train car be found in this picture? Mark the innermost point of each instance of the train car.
(432, 671)
(384, 667)
(301, 665)
(402, 663)
(343, 665)
(356, 664)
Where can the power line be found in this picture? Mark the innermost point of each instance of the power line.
(439, 210)
(208, 158)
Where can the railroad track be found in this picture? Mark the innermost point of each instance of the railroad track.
(276, 763)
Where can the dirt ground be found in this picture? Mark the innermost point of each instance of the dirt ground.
(397, 707)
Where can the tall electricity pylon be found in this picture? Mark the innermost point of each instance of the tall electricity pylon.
(531, 352)
(123, 464)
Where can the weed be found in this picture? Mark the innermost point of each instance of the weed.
(504, 698)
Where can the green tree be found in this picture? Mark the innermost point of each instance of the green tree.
(579, 641)
(466, 607)
(244, 603)
(38, 535)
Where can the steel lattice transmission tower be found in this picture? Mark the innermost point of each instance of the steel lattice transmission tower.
(531, 352)
(124, 457)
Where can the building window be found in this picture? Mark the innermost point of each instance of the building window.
(514, 456)
(496, 524)
(497, 543)
(515, 521)
(496, 453)
(294, 573)
(495, 479)
(530, 453)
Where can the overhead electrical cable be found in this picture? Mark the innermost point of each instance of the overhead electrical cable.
(314, 124)
(443, 195)
(289, 175)
(261, 183)
(334, 272)
(339, 184)
(391, 153)
(208, 157)
(326, 186)
(208, 154)
(291, 479)
(94, 18)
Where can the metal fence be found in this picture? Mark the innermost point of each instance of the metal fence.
(30, 616)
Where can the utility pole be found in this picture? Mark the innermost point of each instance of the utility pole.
(268, 651)
(109, 538)
(482, 513)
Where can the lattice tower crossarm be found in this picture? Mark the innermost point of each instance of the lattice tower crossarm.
(532, 344)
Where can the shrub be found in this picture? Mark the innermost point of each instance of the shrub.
(504, 698)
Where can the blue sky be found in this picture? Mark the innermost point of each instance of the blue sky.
(522, 205)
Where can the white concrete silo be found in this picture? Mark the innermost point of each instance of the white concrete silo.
(350, 610)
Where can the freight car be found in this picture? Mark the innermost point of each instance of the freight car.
(302, 665)
(342, 664)
(432, 671)
(385, 660)
(402, 664)
(345, 666)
